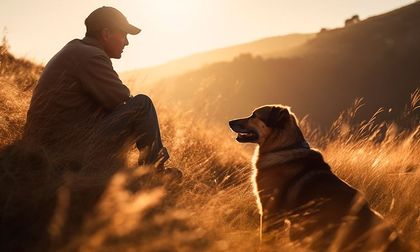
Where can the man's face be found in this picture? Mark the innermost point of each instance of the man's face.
(114, 43)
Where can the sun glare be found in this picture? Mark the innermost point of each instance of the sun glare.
(173, 16)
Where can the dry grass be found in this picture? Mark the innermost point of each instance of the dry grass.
(213, 209)
(17, 77)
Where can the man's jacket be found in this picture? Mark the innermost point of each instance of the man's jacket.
(77, 88)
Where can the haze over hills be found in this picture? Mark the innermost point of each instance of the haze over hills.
(267, 47)
(377, 58)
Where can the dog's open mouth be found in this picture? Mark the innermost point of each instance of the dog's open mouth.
(245, 133)
(248, 136)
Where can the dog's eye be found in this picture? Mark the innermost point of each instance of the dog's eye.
(253, 115)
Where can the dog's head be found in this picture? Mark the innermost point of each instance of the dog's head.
(273, 126)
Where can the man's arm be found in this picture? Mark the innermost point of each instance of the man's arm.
(100, 80)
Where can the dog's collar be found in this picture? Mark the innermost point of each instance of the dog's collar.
(284, 155)
(300, 145)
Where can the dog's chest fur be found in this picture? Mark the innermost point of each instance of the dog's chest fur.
(273, 173)
(278, 181)
(270, 190)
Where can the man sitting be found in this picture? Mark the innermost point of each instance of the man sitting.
(80, 109)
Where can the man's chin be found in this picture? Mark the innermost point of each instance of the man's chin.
(116, 56)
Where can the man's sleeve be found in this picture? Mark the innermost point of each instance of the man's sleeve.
(99, 80)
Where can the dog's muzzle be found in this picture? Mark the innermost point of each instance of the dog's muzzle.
(245, 133)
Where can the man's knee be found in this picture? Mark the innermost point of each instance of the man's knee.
(141, 101)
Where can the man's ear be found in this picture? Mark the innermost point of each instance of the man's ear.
(278, 117)
(105, 34)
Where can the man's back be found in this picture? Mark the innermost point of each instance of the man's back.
(77, 88)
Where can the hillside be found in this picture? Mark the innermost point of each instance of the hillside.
(377, 59)
(17, 78)
(268, 47)
(48, 206)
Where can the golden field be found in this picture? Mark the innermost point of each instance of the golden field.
(213, 208)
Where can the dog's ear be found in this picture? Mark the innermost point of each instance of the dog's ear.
(278, 117)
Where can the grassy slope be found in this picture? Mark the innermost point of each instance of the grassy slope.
(17, 77)
(213, 209)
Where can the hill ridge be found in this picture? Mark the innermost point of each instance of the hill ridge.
(264, 47)
(374, 59)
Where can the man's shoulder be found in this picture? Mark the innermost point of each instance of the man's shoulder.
(79, 48)
(75, 54)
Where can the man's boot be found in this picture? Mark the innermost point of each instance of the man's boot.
(162, 156)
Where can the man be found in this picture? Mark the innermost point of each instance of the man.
(83, 118)
(81, 111)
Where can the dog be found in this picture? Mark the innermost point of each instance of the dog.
(297, 192)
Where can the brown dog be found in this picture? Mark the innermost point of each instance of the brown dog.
(296, 190)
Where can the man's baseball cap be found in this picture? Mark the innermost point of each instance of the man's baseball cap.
(109, 17)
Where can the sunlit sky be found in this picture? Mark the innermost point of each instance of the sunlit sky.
(171, 29)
